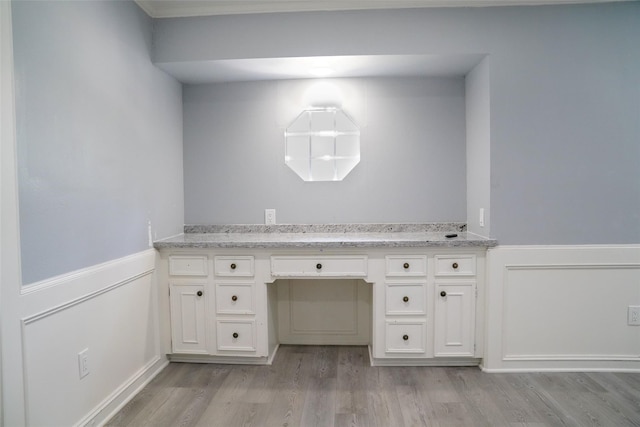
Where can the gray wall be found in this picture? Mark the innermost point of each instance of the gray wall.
(99, 135)
(564, 90)
(412, 166)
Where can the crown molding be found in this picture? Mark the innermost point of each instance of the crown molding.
(188, 8)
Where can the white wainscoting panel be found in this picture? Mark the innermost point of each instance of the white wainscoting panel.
(328, 311)
(562, 308)
(115, 320)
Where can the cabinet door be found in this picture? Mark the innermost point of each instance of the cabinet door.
(188, 317)
(454, 322)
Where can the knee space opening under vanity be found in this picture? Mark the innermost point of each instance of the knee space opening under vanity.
(324, 311)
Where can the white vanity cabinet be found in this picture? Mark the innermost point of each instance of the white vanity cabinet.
(419, 306)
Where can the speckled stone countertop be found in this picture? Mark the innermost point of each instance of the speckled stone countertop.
(324, 236)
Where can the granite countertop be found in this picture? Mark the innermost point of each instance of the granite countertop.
(324, 236)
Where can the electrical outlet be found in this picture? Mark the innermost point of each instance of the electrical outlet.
(83, 363)
(633, 316)
(269, 216)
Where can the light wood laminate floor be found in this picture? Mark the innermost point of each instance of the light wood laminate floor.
(335, 386)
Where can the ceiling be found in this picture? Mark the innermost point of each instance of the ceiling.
(181, 8)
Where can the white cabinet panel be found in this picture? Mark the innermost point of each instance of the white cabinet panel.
(454, 319)
(188, 265)
(188, 318)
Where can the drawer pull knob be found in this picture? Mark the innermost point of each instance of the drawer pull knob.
(235, 335)
(406, 265)
(454, 265)
(405, 337)
(199, 293)
(405, 299)
(233, 266)
(234, 298)
(319, 266)
(443, 294)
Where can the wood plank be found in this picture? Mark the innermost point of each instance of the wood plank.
(382, 399)
(294, 373)
(351, 393)
(320, 403)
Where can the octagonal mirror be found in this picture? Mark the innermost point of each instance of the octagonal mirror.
(322, 145)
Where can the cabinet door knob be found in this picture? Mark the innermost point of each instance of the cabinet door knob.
(454, 265)
(233, 266)
(319, 266)
(234, 298)
(235, 335)
(406, 265)
(405, 337)
(443, 294)
(199, 293)
(405, 299)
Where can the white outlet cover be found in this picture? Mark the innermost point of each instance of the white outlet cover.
(633, 318)
(269, 216)
(83, 363)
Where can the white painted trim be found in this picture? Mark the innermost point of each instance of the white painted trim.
(586, 266)
(558, 266)
(572, 357)
(551, 259)
(72, 303)
(56, 309)
(529, 248)
(10, 272)
(84, 272)
(228, 360)
(46, 298)
(161, 9)
(527, 370)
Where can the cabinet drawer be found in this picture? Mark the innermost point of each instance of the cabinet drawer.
(188, 265)
(235, 298)
(406, 265)
(455, 265)
(404, 298)
(236, 335)
(233, 266)
(405, 336)
(319, 266)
